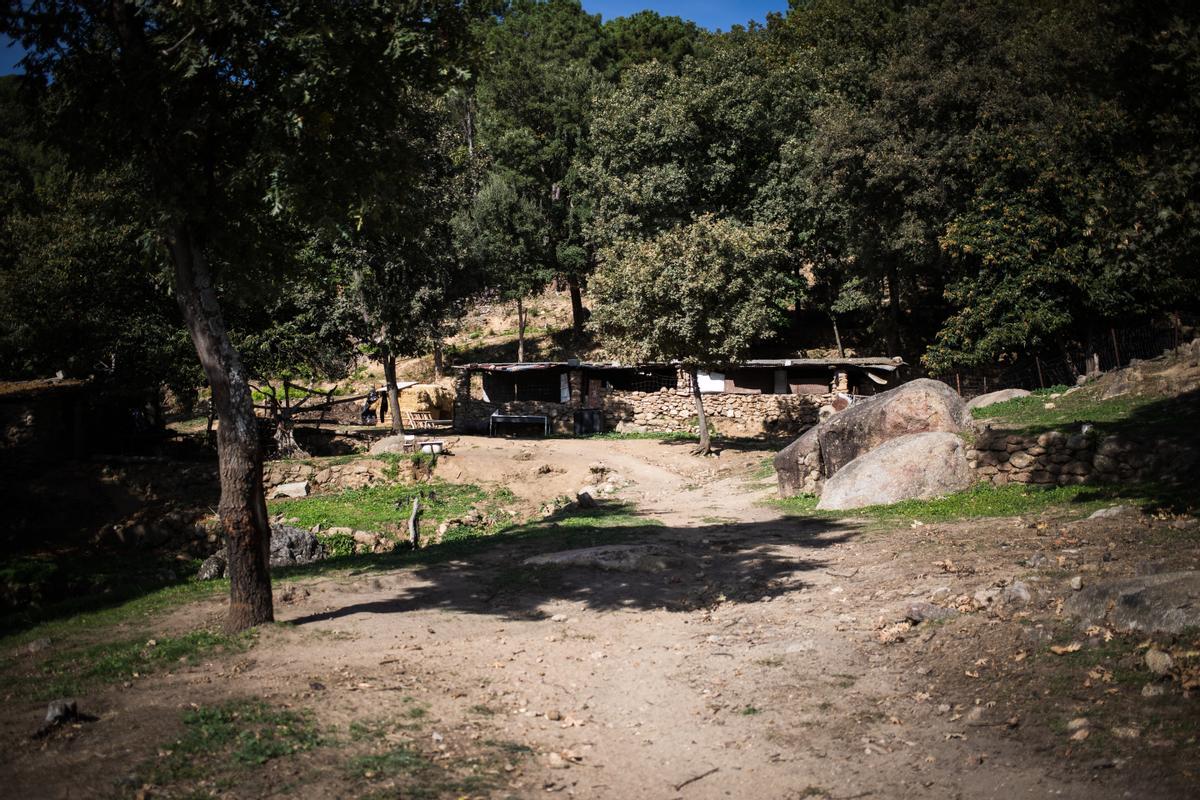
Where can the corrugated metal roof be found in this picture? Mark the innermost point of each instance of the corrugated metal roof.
(886, 364)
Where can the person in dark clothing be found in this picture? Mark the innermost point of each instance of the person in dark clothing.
(368, 409)
(383, 405)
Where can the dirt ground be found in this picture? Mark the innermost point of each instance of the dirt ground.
(768, 657)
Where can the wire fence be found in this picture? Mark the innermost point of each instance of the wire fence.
(1088, 352)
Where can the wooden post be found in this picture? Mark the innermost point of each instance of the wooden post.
(958, 382)
(985, 391)
(414, 524)
(1041, 380)
(1116, 353)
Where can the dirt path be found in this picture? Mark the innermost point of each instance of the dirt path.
(751, 666)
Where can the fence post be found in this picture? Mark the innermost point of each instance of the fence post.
(958, 382)
(1041, 381)
(1116, 353)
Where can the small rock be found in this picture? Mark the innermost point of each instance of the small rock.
(927, 612)
(1078, 724)
(212, 568)
(1082, 733)
(1112, 511)
(1077, 583)
(556, 761)
(1153, 690)
(1048, 406)
(1037, 560)
(559, 618)
(985, 597)
(940, 593)
(977, 716)
(61, 711)
(297, 489)
(37, 646)
(1158, 662)
(586, 497)
(1017, 593)
(554, 715)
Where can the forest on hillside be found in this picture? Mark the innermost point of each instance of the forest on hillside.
(955, 183)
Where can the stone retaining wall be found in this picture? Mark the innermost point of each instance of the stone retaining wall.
(1057, 458)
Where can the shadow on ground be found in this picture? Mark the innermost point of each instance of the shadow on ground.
(698, 567)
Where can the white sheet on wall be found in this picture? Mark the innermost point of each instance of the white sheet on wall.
(564, 388)
(711, 381)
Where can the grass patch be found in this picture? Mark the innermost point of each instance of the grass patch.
(220, 741)
(987, 500)
(384, 508)
(74, 671)
(1128, 413)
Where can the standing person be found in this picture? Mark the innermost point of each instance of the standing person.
(368, 409)
(383, 404)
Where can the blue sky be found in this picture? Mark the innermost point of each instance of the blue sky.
(711, 14)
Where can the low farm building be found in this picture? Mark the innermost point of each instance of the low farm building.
(756, 397)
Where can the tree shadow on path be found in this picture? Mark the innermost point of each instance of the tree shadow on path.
(683, 568)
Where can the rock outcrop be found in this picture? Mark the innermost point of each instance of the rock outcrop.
(919, 466)
(1167, 603)
(289, 547)
(920, 406)
(991, 398)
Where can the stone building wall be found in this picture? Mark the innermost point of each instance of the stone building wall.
(731, 414)
(663, 411)
(1057, 458)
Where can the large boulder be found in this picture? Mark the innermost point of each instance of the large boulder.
(1167, 603)
(919, 466)
(918, 406)
(991, 398)
(289, 547)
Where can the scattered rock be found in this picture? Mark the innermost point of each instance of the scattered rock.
(991, 398)
(616, 557)
(976, 717)
(1153, 690)
(916, 466)
(1017, 594)
(1077, 583)
(1078, 724)
(297, 489)
(389, 444)
(59, 713)
(37, 646)
(213, 567)
(554, 715)
(928, 612)
(586, 497)
(1164, 603)
(1112, 512)
(1159, 663)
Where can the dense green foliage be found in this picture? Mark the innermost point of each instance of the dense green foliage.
(954, 183)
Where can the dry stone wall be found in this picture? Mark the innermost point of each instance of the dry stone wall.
(1056, 458)
(674, 410)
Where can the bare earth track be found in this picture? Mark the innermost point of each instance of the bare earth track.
(753, 666)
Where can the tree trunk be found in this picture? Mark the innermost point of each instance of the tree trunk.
(577, 310)
(520, 330)
(837, 337)
(893, 282)
(242, 508)
(393, 394)
(439, 357)
(705, 445)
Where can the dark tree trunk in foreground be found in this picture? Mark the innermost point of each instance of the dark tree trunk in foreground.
(243, 507)
(705, 445)
(393, 394)
(520, 330)
(577, 312)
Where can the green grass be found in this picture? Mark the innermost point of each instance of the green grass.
(1128, 413)
(69, 620)
(221, 741)
(76, 670)
(383, 508)
(986, 500)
